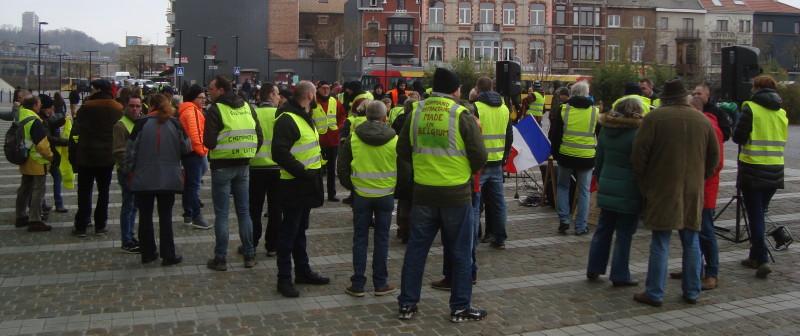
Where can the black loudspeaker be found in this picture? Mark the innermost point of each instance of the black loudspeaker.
(509, 78)
(739, 66)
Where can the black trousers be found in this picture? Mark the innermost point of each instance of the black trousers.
(86, 179)
(147, 240)
(330, 154)
(292, 243)
(264, 184)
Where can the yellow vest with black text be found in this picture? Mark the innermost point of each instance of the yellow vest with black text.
(767, 137)
(306, 148)
(645, 102)
(536, 108)
(266, 119)
(33, 154)
(237, 139)
(439, 155)
(494, 123)
(579, 125)
(325, 120)
(374, 167)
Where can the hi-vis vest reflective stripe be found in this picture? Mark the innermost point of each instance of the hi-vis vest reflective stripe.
(374, 167)
(579, 126)
(439, 155)
(340, 98)
(645, 104)
(536, 108)
(325, 120)
(306, 149)
(237, 139)
(364, 95)
(356, 121)
(394, 113)
(128, 123)
(494, 123)
(767, 138)
(33, 154)
(656, 103)
(266, 119)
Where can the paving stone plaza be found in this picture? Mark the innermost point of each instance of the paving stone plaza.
(55, 284)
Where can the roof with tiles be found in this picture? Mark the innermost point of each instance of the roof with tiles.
(317, 6)
(672, 4)
(771, 6)
(726, 6)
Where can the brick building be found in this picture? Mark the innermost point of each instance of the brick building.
(678, 37)
(631, 33)
(776, 31)
(579, 33)
(390, 29)
(321, 29)
(727, 23)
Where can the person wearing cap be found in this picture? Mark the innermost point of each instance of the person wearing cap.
(93, 133)
(670, 172)
(535, 101)
(398, 92)
(328, 114)
(30, 194)
(632, 90)
(442, 144)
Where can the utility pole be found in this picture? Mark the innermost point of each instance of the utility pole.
(386, 63)
(268, 76)
(90, 62)
(151, 59)
(179, 80)
(39, 54)
(60, 78)
(236, 59)
(205, 40)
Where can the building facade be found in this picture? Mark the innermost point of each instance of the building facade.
(678, 38)
(776, 32)
(727, 23)
(579, 33)
(631, 32)
(390, 31)
(321, 29)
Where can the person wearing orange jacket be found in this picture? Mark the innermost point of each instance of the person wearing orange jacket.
(398, 92)
(194, 164)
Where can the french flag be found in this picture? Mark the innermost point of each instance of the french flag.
(530, 148)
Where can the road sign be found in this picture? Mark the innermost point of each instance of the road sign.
(179, 70)
(236, 71)
(213, 67)
(295, 79)
(209, 57)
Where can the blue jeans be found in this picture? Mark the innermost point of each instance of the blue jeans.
(755, 201)
(364, 210)
(127, 213)
(584, 179)
(708, 244)
(225, 181)
(194, 166)
(625, 226)
(56, 174)
(657, 266)
(458, 231)
(492, 193)
(476, 207)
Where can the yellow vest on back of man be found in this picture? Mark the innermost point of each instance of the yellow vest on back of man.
(374, 167)
(494, 123)
(645, 102)
(356, 121)
(33, 154)
(767, 138)
(439, 155)
(579, 126)
(536, 108)
(325, 120)
(394, 113)
(306, 148)
(266, 119)
(237, 139)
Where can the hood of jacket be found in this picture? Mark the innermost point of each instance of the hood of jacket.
(615, 124)
(768, 98)
(490, 98)
(375, 133)
(579, 102)
(231, 100)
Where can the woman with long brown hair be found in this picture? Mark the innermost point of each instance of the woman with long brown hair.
(153, 164)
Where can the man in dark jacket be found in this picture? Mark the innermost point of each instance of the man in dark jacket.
(300, 160)
(703, 91)
(232, 138)
(94, 162)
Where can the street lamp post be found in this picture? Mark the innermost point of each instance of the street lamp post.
(267, 75)
(178, 80)
(60, 77)
(90, 62)
(39, 54)
(151, 59)
(236, 59)
(386, 63)
(205, 40)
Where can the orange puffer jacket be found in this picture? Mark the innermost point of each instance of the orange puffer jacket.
(193, 121)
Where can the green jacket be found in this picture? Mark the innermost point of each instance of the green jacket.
(617, 188)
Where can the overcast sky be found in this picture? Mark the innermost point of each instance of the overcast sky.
(108, 20)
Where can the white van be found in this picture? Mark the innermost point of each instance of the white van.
(121, 76)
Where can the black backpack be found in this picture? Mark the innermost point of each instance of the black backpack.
(14, 146)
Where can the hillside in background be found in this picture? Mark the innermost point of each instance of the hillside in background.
(71, 41)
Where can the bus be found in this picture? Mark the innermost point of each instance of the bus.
(388, 76)
(547, 84)
(80, 84)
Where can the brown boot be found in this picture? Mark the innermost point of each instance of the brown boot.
(38, 226)
(709, 283)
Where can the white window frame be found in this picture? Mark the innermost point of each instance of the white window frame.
(613, 21)
(612, 52)
(638, 21)
(637, 51)
(562, 53)
(536, 52)
(436, 14)
(486, 13)
(537, 13)
(509, 14)
(507, 50)
(436, 50)
(663, 23)
(766, 26)
(482, 47)
(722, 25)
(464, 49)
(464, 13)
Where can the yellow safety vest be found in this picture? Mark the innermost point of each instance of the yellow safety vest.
(32, 153)
(536, 108)
(439, 155)
(494, 123)
(394, 113)
(266, 119)
(67, 174)
(645, 102)
(374, 167)
(237, 139)
(306, 149)
(356, 121)
(579, 125)
(325, 120)
(128, 123)
(767, 138)
(657, 102)
(340, 98)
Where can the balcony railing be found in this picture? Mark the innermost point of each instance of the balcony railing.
(435, 27)
(487, 27)
(722, 35)
(687, 34)
(539, 29)
(400, 49)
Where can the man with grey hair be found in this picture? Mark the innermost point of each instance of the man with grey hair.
(367, 165)
(295, 148)
(572, 136)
